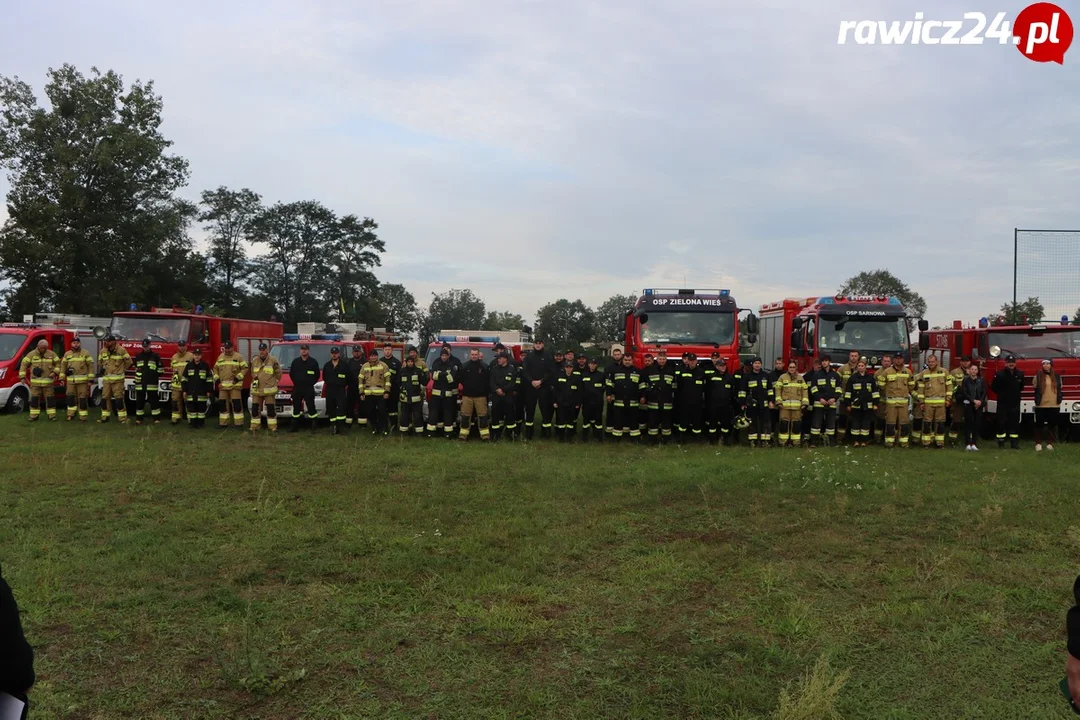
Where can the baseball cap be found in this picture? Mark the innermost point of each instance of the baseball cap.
(357, 348)
(722, 361)
(335, 350)
(305, 346)
(181, 342)
(263, 346)
(227, 343)
(197, 351)
(593, 361)
(1010, 358)
(146, 342)
(715, 354)
(691, 356)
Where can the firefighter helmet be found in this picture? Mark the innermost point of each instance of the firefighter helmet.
(742, 422)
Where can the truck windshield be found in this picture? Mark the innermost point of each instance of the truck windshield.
(689, 328)
(1026, 344)
(10, 344)
(461, 352)
(157, 328)
(884, 334)
(287, 353)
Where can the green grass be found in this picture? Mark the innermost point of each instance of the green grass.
(171, 574)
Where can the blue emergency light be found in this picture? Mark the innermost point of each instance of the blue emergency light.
(1064, 319)
(198, 309)
(983, 322)
(825, 301)
(725, 293)
(648, 292)
(895, 301)
(133, 306)
(290, 336)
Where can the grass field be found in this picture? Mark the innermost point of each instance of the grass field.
(170, 574)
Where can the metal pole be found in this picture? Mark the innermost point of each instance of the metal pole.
(1016, 239)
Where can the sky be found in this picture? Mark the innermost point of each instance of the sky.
(538, 149)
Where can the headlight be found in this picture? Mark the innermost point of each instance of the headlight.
(1076, 406)
(319, 386)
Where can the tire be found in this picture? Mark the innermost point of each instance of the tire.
(18, 402)
(95, 398)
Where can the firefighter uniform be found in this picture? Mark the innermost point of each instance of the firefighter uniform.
(721, 399)
(755, 394)
(592, 403)
(265, 375)
(826, 385)
(229, 373)
(148, 367)
(176, 364)
(659, 382)
(475, 385)
(393, 366)
(197, 385)
(690, 401)
(43, 369)
(354, 397)
(303, 373)
(504, 413)
(335, 375)
(375, 383)
(933, 393)
(112, 364)
(845, 371)
(77, 372)
(624, 386)
(861, 397)
(412, 384)
(567, 404)
(894, 386)
(793, 396)
(537, 365)
(1007, 385)
(444, 390)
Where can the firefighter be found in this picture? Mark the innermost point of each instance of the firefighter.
(443, 403)
(778, 369)
(503, 379)
(77, 374)
(623, 395)
(393, 366)
(658, 379)
(335, 374)
(894, 386)
(377, 381)
(826, 392)
(592, 402)
(581, 368)
(1007, 385)
(567, 403)
(956, 412)
(197, 385)
(475, 383)
(304, 373)
(412, 382)
(721, 398)
(113, 362)
(690, 400)
(356, 412)
(417, 361)
(792, 397)
(265, 374)
(41, 368)
(609, 369)
(536, 372)
(845, 371)
(229, 373)
(756, 401)
(933, 393)
(176, 365)
(861, 397)
(148, 366)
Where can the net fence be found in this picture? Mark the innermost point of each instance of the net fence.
(1047, 266)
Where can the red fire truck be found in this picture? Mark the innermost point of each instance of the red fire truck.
(806, 328)
(686, 320)
(165, 326)
(17, 340)
(1030, 344)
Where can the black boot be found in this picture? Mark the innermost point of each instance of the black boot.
(1015, 444)
(1001, 444)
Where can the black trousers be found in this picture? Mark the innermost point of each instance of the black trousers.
(337, 405)
(303, 401)
(147, 395)
(860, 423)
(720, 423)
(658, 422)
(823, 422)
(543, 399)
(973, 418)
(411, 413)
(354, 405)
(442, 412)
(592, 417)
(375, 407)
(504, 415)
(689, 423)
(1008, 423)
(760, 423)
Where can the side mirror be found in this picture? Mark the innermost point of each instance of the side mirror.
(796, 324)
(751, 338)
(796, 341)
(995, 351)
(924, 326)
(644, 317)
(526, 329)
(100, 332)
(751, 324)
(924, 342)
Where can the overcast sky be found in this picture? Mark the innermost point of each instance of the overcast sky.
(537, 149)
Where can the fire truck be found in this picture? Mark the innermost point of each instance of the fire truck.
(319, 343)
(165, 326)
(686, 320)
(806, 328)
(17, 340)
(1029, 344)
(461, 342)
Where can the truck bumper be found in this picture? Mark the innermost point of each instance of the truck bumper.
(1027, 407)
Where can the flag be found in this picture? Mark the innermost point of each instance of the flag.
(342, 305)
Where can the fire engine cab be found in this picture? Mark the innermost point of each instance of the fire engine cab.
(804, 329)
(699, 321)
(1029, 344)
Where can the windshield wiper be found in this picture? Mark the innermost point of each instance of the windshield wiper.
(1061, 350)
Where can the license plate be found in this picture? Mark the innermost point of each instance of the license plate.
(282, 397)
(1074, 418)
(280, 409)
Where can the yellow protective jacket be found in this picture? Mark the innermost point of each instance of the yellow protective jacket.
(895, 385)
(375, 379)
(112, 364)
(47, 361)
(81, 365)
(177, 363)
(846, 371)
(229, 370)
(933, 387)
(265, 375)
(792, 392)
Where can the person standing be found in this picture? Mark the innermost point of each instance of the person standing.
(894, 385)
(113, 362)
(265, 374)
(956, 411)
(503, 385)
(443, 403)
(972, 394)
(17, 659)
(845, 371)
(176, 365)
(624, 394)
(304, 373)
(475, 384)
(412, 386)
(610, 369)
(779, 368)
(536, 371)
(197, 386)
(567, 404)
(76, 373)
(229, 373)
(690, 400)
(757, 401)
(933, 393)
(658, 379)
(355, 411)
(376, 383)
(393, 367)
(826, 392)
(41, 367)
(1048, 397)
(1007, 385)
(335, 375)
(148, 366)
(721, 399)
(792, 397)
(417, 361)
(592, 402)
(861, 397)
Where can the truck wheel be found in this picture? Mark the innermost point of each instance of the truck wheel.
(95, 398)
(18, 402)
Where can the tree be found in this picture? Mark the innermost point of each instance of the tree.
(454, 309)
(502, 321)
(92, 224)
(354, 249)
(609, 323)
(1076, 317)
(883, 282)
(397, 308)
(228, 216)
(1029, 312)
(563, 323)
